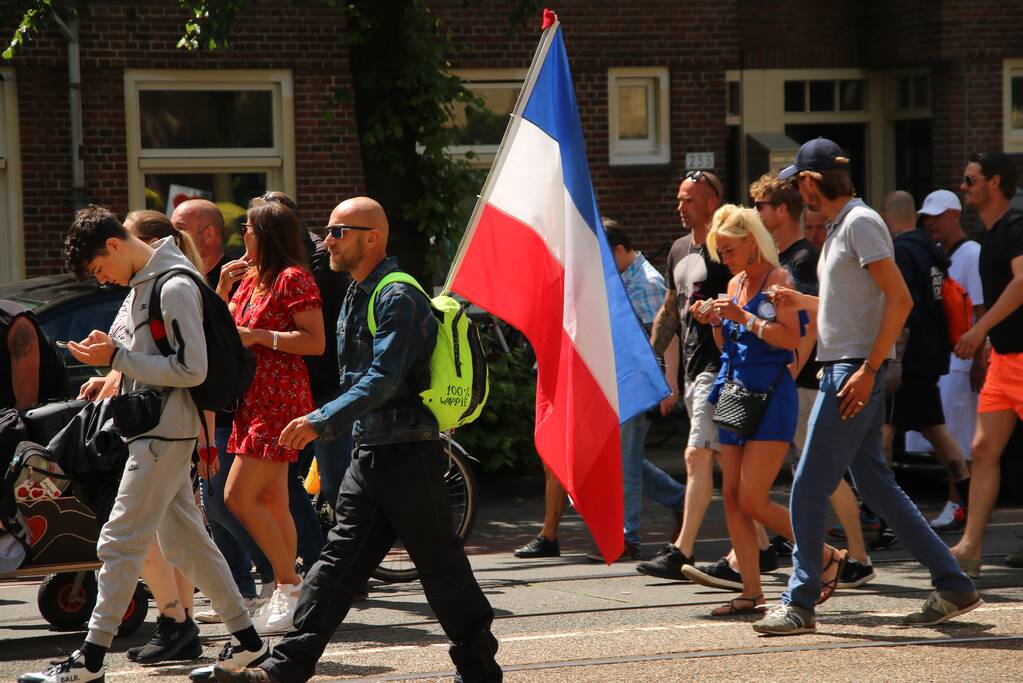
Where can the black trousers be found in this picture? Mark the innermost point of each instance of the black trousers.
(391, 491)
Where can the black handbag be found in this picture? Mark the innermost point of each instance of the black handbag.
(740, 410)
(136, 412)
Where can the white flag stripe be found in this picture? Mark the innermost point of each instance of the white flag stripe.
(531, 189)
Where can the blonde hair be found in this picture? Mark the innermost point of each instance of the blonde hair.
(153, 225)
(741, 223)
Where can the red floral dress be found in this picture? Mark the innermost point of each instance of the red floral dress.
(280, 390)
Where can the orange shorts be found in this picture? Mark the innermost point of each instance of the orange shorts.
(1003, 386)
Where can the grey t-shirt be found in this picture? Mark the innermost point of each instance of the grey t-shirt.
(851, 303)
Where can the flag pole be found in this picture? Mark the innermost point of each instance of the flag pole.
(509, 132)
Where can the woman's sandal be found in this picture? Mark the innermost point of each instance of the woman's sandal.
(730, 608)
(828, 587)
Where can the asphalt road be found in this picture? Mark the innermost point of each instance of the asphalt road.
(568, 619)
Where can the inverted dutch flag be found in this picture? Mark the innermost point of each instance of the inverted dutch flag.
(536, 256)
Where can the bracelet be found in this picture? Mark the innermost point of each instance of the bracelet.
(763, 326)
(275, 341)
(872, 371)
(207, 453)
(752, 324)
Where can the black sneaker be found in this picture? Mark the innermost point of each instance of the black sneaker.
(630, 553)
(768, 560)
(855, 574)
(885, 539)
(782, 546)
(188, 652)
(539, 547)
(168, 642)
(717, 575)
(667, 564)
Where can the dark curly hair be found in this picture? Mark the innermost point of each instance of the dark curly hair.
(88, 236)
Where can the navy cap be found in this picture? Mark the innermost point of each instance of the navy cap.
(816, 155)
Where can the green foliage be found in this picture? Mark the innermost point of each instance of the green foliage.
(502, 436)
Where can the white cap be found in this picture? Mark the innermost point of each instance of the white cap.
(938, 202)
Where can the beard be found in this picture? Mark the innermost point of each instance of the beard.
(344, 263)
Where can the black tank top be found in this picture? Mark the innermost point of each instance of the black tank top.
(51, 366)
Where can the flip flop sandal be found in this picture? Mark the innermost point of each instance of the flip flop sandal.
(828, 587)
(731, 609)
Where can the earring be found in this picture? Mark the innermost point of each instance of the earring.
(750, 261)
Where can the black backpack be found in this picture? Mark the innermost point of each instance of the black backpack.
(230, 365)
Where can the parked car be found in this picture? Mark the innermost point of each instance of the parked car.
(68, 310)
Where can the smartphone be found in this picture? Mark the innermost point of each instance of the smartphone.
(61, 344)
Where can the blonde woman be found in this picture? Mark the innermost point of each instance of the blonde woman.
(757, 342)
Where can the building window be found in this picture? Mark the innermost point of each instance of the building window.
(1012, 91)
(223, 135)
(638, 116)
(477, 134)
(825, 95)
(913, 92)
(12, 256)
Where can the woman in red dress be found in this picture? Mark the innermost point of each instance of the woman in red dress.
(277, 311)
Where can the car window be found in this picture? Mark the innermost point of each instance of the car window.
(75, 320)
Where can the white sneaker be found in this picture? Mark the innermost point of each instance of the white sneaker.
(946, 517)
(70, 670)
(280, 611)
(232, 658)
(210, 616)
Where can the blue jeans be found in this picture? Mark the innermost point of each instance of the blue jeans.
(832, 446)
(332, 461)
(641, 477)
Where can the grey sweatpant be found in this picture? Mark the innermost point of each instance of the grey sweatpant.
(155, 496)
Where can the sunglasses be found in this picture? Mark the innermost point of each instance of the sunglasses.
(758, 205)
(338, 231)
(244, 227)
(697, 176)
(969, 180)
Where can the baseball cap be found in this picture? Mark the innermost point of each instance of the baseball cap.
(938, 202)
(815, 155)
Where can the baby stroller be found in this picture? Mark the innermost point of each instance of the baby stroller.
(50, 498)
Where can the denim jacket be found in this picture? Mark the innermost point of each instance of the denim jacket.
(382, 374)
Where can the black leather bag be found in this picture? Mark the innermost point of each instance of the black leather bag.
(136, 412)
(740, 410)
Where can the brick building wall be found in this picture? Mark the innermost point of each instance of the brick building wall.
(962, 45)
(120, 35)
(696, 41)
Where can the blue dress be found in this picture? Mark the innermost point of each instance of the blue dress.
(757, 365)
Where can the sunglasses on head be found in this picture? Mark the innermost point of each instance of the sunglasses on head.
(338, 231)
(697, 176)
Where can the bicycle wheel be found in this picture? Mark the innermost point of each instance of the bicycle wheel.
(463, 494)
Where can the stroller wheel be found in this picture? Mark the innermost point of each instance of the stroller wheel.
(65, 604)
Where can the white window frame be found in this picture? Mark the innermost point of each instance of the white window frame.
(482, 156)
(277, 162)
(655, 149)
(12, 236)
(1012, 142)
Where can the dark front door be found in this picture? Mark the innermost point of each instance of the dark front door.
(913, 158)
(851, 137)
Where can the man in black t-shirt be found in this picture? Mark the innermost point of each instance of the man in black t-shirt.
(30, 369)
(989, 183)
(922, 352)
(691, 276)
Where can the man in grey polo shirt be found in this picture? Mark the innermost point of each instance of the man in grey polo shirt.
(862, 307)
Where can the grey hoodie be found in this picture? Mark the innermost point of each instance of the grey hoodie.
(139, 359)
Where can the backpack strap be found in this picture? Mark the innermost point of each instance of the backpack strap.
(392, 277)
(157, 328)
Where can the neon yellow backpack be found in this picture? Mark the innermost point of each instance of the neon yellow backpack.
(459, 382)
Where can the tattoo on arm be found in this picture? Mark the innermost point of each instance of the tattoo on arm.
(666, 324)
(21, 339)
